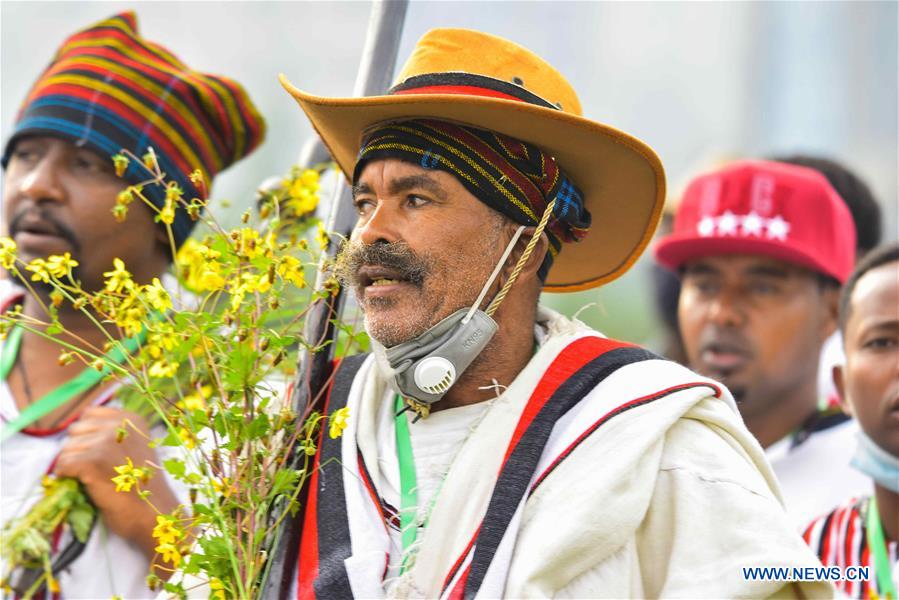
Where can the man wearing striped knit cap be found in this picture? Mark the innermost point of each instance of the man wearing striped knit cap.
(106, 90)
(495, 448)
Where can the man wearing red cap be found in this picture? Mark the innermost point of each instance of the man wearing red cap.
(495, 448)
(762, 249)
(106, 89)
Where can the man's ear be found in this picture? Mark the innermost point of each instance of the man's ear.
(837, 374)
(538, 253)
(830, 311)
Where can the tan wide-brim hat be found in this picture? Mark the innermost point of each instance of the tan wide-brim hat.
(488, 82)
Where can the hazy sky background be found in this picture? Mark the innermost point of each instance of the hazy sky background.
(699, 82)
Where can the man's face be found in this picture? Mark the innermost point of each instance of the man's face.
(869, 382)
(756, 324)
(59, 198)
(423, 248)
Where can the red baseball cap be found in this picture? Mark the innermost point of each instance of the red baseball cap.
(761, 207)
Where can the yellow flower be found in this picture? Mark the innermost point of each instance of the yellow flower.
(61, 266)
(257, 283)
(197, 178)
(199, 265)
(167, 530)
(120, 212)
(197, 400)
(211, 281)
(149, 159)
(130, 315)
(157, 296)
(222, 486)
(167, 214)
(338, 422)
(38, 266)
(120, 162)
(218, 589)
(291, 269)
(302, 192)
(119, 278)
(7, 252)
(309, 177)
(248, 243)
(163, 368)
(187, 438)
(173, 193)
(322, 237)
(161, 341)
(125, 197)
(128, 476)
(169, 553)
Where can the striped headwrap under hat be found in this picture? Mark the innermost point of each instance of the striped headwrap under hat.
(512, 177)
(108, 89)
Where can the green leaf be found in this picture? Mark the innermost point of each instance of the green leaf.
(239, 368)
(175, 467)
(258, 427)
(285, 481)
(175, 588)
(199, 418)
(81, 517)
(171, 439)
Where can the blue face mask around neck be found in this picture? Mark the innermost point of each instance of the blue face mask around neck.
(876, 463)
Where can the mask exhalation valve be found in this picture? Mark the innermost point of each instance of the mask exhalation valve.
(435, 375)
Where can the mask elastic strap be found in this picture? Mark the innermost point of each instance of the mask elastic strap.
(494, 305)
(496, 270)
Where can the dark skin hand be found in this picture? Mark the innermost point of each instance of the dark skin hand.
(90, 454)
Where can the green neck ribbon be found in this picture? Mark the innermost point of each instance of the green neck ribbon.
(72, 388)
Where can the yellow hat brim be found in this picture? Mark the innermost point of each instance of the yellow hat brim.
(622, 179)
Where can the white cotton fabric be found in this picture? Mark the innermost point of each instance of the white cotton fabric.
(669, 499)
(435, 442)
(110, 565)
(816, 475)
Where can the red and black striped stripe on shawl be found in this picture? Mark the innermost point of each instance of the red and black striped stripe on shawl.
(574, 373)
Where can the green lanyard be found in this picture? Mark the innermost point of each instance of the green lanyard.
(408, 481)
(877, 546)
(72, 388)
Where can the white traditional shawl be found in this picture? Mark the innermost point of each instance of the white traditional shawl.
(643, 483)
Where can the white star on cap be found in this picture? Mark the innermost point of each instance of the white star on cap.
(727, 224)
(706, 226)
(752, 224)
(778, 229)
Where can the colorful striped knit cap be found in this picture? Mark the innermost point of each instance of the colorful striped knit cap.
(108, 89)
(512, 177)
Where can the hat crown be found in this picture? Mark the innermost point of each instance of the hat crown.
(444, 51)
(767, 208)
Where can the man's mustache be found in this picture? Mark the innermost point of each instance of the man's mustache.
(396, 256)
(60, 229)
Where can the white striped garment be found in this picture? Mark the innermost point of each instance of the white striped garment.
(839, 539)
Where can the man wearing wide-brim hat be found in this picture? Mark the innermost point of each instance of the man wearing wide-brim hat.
(495, 448)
